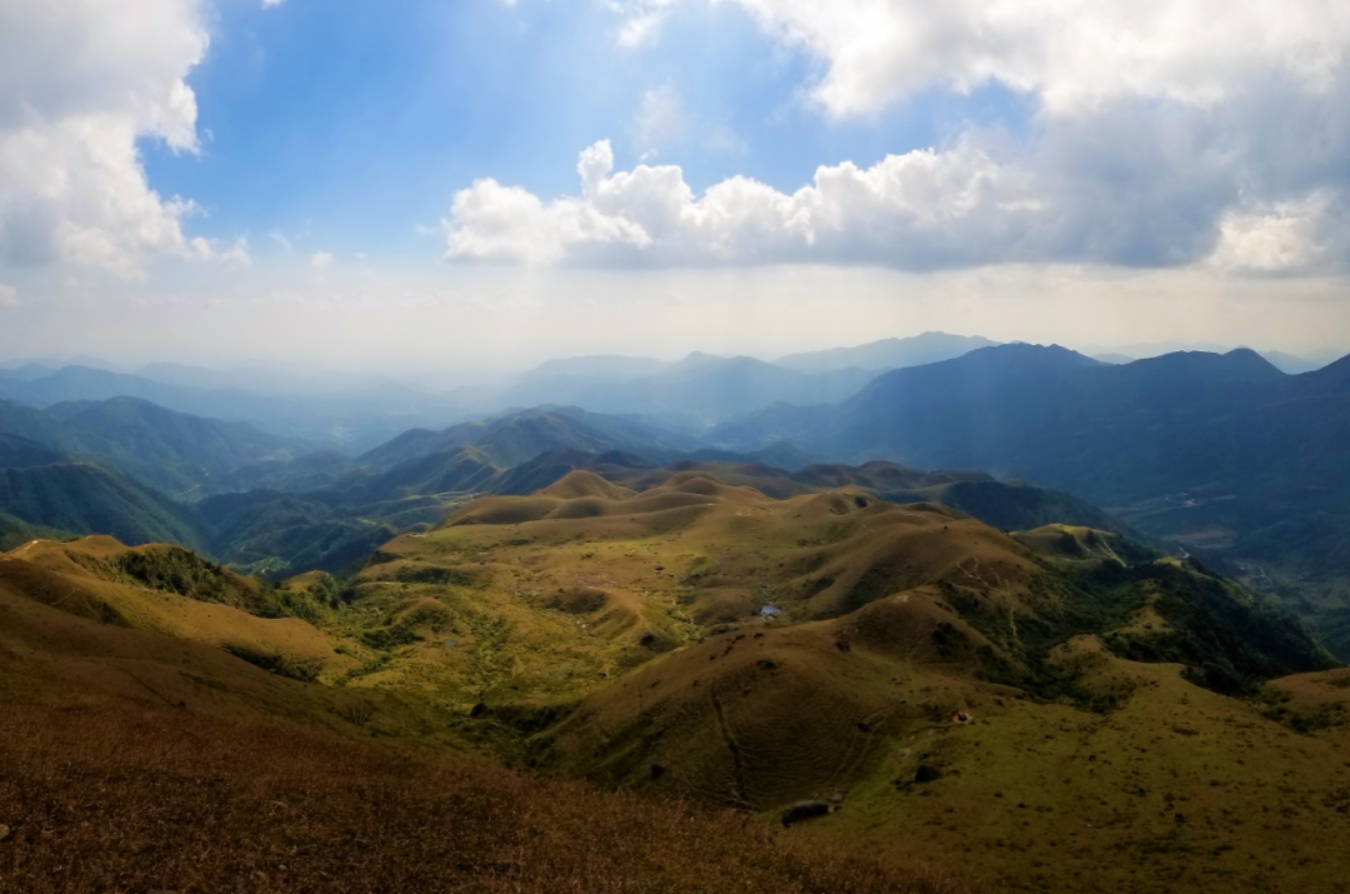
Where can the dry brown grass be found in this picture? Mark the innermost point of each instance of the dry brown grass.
(104, 795)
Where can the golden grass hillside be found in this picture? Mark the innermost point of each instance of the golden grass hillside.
(133, 761)
(546, 598)
(905, 636)
(168, 590)
(1082, 719)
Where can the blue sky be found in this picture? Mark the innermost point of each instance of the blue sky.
(345, 124)
(204, 179)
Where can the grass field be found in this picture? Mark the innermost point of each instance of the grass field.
(148, 765)
(617, 635)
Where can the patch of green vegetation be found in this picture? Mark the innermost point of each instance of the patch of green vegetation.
(173, 570)
(16, 532)
(401, 625)
(437, 574)
(322, 596)
(389, 637)
(1229, 641)
(1277, 706)
(373, 665)
(302, 669)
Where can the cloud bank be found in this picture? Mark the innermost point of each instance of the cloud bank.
(1074, 56)
(82, 81)
(1163, 134)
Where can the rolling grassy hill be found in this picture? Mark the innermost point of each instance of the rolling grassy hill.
(324, 511)
(1078, 753)
(128, 713)
(1222, 452)
(165, 589)
(336, 527)
(1085, 714)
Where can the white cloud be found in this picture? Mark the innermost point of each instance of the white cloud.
(1162, 133)
(1072, 55)
(321, 260)
(83, 80)
(915, 209)
(267, 4)
(1278, 239)
(643, 22)
(8, 296)
(641, 30)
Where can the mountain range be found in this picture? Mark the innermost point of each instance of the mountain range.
(356, 419)
(354, 414)
(1222, 452)
(888, 353)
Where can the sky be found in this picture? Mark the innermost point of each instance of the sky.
(484, 184)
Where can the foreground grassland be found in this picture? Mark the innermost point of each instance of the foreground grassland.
(105, 786)
(1088, 717)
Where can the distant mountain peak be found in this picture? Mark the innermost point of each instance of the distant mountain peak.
(697, 358)
(888, 353)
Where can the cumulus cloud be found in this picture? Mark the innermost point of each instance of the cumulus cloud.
(1129, 188)
(916, 209)
(321, 260)
(83, 80)
(1162, 133)
(1071, 55)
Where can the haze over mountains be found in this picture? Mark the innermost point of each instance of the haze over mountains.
(1222, 454)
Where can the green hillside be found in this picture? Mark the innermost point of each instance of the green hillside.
(183, 455)
(86, 499)
(16, 531)
(34, 425)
